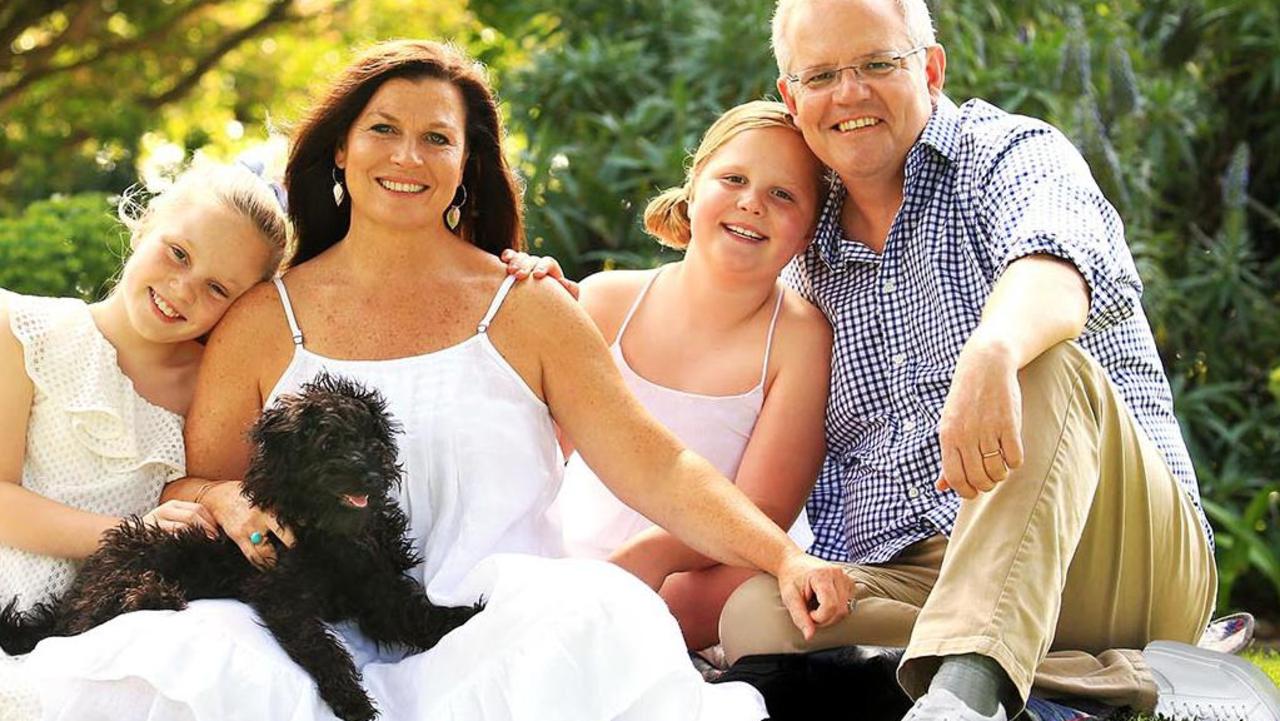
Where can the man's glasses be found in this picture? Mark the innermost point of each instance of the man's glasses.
(871, 69)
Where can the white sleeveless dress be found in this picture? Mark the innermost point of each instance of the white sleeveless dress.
(717, 428)
(93, 443)
(558, 639)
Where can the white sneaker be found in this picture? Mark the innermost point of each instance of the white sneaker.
(1195, 683)
(942, 705)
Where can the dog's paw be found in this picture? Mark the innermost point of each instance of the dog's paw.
(354, 707)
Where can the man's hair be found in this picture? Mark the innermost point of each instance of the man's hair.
(914, 12)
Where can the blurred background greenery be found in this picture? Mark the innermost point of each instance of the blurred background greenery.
(1173, 102)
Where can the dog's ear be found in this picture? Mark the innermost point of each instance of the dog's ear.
(378, 427)
(274, 437)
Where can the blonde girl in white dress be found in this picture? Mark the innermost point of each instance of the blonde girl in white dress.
(92, 396)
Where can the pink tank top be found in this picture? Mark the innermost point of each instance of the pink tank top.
(715, 427)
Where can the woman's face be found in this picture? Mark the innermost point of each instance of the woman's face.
(191, 259)
(754, 201)
(403, 156)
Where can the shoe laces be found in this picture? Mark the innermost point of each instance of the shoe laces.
(1204, 710)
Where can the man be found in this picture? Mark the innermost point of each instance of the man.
(1017, 509)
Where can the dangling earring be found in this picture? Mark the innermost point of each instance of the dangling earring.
(453, 215)
(338, 192)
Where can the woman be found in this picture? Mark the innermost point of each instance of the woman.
(401, 201)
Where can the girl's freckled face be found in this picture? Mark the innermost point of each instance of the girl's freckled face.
(190, 261)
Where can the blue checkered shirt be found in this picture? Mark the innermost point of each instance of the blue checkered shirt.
(983, 188)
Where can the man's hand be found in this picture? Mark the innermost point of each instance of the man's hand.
(523, 265)
(815, 592)
(980, 432)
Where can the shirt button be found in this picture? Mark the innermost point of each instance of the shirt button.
(898, 359)
(890, 286)
(913, 492)
(908, 425)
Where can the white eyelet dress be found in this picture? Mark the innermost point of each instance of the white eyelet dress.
(93, 443)
(558, 639)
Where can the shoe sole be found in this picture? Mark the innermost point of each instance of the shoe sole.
(1246, 673)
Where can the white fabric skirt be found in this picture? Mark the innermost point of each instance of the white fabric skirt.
(558, 639)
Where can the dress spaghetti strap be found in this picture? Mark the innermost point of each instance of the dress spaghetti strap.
(635, 305)
(288, 311)
(768, 345)
(498, 297)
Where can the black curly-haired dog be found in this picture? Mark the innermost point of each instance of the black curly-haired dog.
(325, 462)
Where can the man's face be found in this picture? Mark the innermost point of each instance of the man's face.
(860, 127)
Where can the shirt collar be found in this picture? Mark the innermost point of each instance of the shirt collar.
(829, 239)
(942, 129)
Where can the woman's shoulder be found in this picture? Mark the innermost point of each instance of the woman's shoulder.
(256, 319)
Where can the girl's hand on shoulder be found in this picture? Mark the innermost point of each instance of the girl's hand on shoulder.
(245, 523)
(176, 515)
(523, 265)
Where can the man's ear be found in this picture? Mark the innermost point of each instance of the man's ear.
(935, 70)
(784, 89)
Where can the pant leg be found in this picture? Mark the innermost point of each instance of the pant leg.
(754, 621)
(1091, 545)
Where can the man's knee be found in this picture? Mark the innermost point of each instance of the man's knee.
(1063, 360)
(754, 620)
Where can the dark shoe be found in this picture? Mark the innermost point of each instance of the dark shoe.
(807, 686)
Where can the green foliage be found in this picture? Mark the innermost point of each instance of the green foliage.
(611, 109)
(64, 246)
(89, 89)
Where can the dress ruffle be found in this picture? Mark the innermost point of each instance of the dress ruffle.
(563, 639)
(71, 363)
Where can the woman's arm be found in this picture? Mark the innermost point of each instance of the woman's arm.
(606, 297)
(228, 399)
(28, 520)
(784, 453)
(644, 464)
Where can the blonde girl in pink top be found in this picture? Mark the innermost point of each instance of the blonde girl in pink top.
(718, 351)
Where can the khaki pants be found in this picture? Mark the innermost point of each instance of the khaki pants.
(1081, 557)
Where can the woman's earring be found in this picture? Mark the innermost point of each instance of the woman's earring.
(338, 192)
(453, 215)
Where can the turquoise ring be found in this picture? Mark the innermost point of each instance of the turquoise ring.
(255, 538)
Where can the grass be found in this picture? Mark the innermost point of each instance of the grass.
(1268, 661)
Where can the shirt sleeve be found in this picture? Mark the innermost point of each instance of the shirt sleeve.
(1037, 196)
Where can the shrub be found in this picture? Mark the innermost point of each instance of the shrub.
(63, 246)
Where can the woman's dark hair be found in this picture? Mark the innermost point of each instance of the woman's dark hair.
(492, 217)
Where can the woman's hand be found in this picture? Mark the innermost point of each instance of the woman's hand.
(243, 522)
(523, 265)
(174, 516)
(815, 592)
